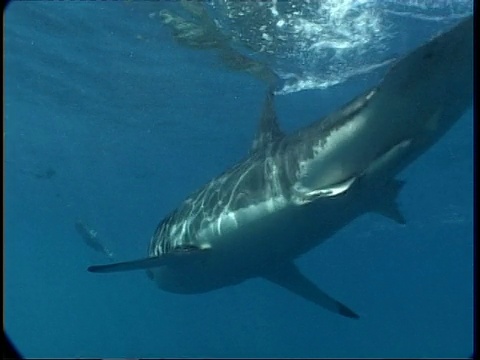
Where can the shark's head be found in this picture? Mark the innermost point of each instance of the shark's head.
(169, 241)
(177, 234)
(190, 266)
(201, 247)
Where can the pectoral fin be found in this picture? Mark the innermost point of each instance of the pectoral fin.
(181, 254)
(290, 278)
(140, 264)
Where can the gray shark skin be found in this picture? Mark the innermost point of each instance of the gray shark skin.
(293, 192)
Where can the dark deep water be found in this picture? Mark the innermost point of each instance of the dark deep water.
(109, 121)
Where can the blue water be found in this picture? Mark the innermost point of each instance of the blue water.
(130, 123)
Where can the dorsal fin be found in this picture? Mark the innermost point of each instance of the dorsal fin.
(268, 130)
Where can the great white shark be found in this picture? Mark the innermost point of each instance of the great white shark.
(295, 191)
